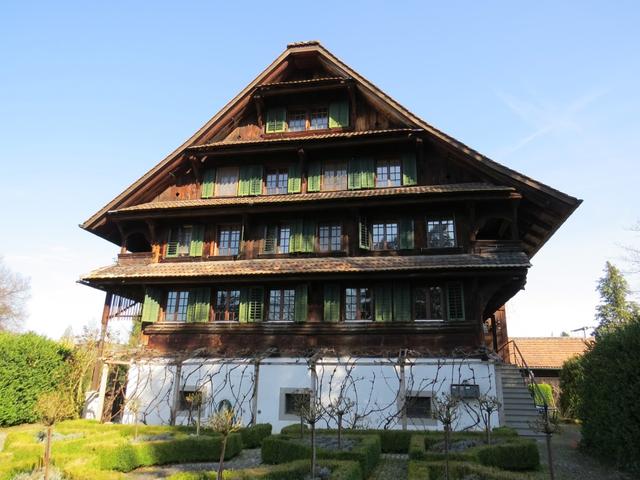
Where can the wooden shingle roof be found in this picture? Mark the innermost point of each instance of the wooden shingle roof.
(550, 352)
(301, 266)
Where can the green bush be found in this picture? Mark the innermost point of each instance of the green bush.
(252, 436)
(420, 470)
(296, 470)
(571, 375)
(129, 456)
(294, 429)
(611, 388)
(30, 365)
(282, 449)
(519, 456)
(542, 393)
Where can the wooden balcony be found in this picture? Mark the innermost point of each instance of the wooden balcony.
(139, 258)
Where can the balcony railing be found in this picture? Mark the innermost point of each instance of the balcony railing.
(492, 246)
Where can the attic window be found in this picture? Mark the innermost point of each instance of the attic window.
(303, 118)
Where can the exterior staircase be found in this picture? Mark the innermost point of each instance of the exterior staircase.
(518, 408)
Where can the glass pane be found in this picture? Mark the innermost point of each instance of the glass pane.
(319, 119)
(336, 238)
(441, 233)
(297, 121)
(177, 306)
(185, 241)
(283, 239)
(288, 305)
(420, 303)
(392, 235)
(377, 232)
(324, 239)
(350, 307)
(334, 176)
(276, 183)
(435, 298)
(275, 305)
(366, 304)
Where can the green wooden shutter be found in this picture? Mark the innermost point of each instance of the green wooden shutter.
(276, 120)
(308, 236)
(367, 172)
(455, 301)
(406, 233)
(294, 182)
(401, 302)
(331, 302)
(301, 308)
(295, 240)
(251, 304)
(314, 175)
(197, 241)
(198, 305)
(255, 187)
(354, 174)
(363, 234)
(172, 243)
(383, 302)
(339, 114)
(151, 306)
(409, 173)
(244, 181)
(208, 183)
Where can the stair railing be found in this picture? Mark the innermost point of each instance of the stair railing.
(518, 359)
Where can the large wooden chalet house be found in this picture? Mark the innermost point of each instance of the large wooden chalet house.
(314, 213)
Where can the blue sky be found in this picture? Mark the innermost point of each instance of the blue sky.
(92, 94)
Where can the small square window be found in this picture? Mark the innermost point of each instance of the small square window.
(190, 398)
(319, 119)
(418, 406)
(293, 402)
(297, 121)
(441, 233)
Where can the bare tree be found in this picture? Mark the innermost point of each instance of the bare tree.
(445, 409)
(14, 292)
(548, 424)
(53, 407)
(225, 423)
(488, 404)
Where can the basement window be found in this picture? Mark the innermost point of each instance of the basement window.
(418, 406)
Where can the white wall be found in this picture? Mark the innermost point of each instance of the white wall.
(371, 384)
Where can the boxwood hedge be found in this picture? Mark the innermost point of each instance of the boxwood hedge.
(252, 436)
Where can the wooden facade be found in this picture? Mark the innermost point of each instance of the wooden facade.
(313, 211)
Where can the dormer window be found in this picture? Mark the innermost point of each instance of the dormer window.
(300, 119)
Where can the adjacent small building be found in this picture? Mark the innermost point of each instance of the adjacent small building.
(317, 239)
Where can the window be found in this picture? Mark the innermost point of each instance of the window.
(177, 301)
(294, 401)
(179, 241)
(384, 236)
(330, 237)
(281, 305)
(319, 119)
(418, 406)
(228, 240)
(277, 239)
(388, 173)
(190, 398)
(428, 303)
(297, 121)
(334, 176)
(358, 304)
(276, 183)
(227, 182)
(441, 233)
(227, 306)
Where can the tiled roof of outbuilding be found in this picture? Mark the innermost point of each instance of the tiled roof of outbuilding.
(550, 352)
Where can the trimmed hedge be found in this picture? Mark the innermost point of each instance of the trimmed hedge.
(282, 449)
(609, 393)
(294, 429)
(252, 436)
(571, 375)
(518, 456)
(30, 365)
(129, 456)
(420, 470)
(296, 470)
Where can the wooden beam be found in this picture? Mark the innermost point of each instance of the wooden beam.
(259, 102)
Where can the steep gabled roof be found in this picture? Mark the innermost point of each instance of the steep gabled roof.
(553, 206)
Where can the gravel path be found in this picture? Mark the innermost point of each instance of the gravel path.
(391, 467)
(570, 463)
(246, 458)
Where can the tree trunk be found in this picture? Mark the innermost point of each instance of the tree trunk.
(489, 428)
(221, 463)
(446, 452)
(550, 457)
(47, 453)
(339, 431)
(313, 451)
(198, 421)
